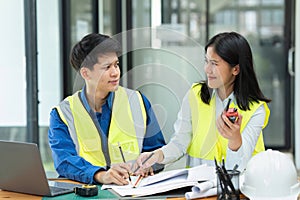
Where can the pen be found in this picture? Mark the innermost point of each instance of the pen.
(123, 159)
(144, 162)
(227, 179)
(138, 181)
(235, 167)
(227, 188)
(223, 182)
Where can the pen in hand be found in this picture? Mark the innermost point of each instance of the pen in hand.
(121, 151)
(144, 162)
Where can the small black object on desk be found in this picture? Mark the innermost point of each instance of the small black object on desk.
(86, 190)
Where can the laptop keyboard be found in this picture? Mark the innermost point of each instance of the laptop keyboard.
(55, 190)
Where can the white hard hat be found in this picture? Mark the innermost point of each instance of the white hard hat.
(270, 175)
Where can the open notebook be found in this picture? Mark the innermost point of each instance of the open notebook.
(165, 181)
(21, 170)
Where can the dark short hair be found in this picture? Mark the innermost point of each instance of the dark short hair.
(87, 50)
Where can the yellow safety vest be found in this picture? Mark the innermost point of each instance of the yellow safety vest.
(127, 127)
(206, 142)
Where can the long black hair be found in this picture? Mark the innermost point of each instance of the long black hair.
(235, 50)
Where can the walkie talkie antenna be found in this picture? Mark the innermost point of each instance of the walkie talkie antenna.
(227, 106)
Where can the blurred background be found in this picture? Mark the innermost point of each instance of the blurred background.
(163, 54)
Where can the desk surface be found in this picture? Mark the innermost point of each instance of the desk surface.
(14, 195)
(18, 196)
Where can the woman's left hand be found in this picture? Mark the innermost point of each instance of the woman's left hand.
(230, 131)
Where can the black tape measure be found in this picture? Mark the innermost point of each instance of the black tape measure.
(86, 190)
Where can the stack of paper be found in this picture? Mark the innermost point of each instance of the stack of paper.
(166, 181)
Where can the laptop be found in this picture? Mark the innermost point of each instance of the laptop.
(21, 170)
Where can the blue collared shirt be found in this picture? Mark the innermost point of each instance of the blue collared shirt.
(66, 160)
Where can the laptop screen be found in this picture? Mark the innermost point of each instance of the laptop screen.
(21, 169)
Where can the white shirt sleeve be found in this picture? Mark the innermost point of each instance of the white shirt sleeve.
(249, 138)
(182, 136)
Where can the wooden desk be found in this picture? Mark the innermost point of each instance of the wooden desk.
(19, 196)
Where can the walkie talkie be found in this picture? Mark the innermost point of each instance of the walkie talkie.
(231, 113)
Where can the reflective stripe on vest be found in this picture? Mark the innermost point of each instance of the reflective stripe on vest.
(206, 142)
(128, 107)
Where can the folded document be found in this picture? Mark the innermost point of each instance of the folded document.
(165, 181)
(203, 189)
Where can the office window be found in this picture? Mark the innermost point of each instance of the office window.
(13, 71)
(49, 72)
(13, 67)
(262, 23)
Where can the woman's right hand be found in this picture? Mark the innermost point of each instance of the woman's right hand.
(143, 162)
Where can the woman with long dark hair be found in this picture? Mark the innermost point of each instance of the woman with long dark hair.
(203, 131)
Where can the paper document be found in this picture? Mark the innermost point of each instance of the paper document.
(166, 181)
(196, 195)
(203, 189)
(161, 177)
(206, 185)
